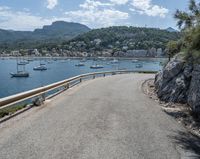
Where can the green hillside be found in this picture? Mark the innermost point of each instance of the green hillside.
(121, 38)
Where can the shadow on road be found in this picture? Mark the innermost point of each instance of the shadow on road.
(187, 142)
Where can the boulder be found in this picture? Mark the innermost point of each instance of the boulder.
(38, 101)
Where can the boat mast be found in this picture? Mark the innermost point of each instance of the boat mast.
(24, 68)
(17, 66)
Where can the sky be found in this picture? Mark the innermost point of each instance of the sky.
(28, 15)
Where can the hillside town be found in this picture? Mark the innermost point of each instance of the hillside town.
(153, 52)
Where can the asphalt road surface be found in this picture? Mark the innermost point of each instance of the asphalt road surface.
(105, 118)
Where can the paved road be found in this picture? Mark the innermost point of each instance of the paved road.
(106, 118)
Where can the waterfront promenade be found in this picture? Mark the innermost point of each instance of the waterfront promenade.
(105, 118)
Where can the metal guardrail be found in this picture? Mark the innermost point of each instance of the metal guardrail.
(38, 92)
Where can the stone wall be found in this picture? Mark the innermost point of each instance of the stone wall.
(179, 81)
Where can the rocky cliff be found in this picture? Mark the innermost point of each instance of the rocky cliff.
(179, 82)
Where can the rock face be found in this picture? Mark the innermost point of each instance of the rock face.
(194, 89)
(179, 82)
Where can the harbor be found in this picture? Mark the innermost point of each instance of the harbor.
(43, 71)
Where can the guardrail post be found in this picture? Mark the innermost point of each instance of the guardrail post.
(80, 79)
(66, 86)
(43, 96)
(104, 75)
(93, 76)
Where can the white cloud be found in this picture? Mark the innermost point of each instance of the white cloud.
(119, 2)
(51, 3)
(146, 7)
(97, 14)
(91, 4)
(97, 18)
(20, 20)
(93, 13)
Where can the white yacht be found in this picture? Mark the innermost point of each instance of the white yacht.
(134, 60)
(83, 60)
(40, 68)
(96, 66)
(80, 64)
(115, 61)
(23, 62)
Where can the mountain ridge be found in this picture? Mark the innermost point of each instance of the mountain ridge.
(170, 29)
(56, 30)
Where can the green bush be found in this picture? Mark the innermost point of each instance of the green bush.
(11, 110)
(189, 23)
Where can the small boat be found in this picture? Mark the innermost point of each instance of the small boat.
(96, 66)
(134, 61)
(114, 61)
(23, 63)
(83, 60)
(80, 64)
(30, 60)
(139, 65)
(20, 74)
(49, 61)
(40, 68)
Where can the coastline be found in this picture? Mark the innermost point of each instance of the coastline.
(69, 57)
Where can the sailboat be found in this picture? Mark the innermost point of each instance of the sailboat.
(30, 59)
(80, 64)
(96, 66)
(83, 60)
(20, 73)
(115, 61)
(23, 62)
(41, 67)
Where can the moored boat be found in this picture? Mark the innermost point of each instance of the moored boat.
(80, 64)
(40, 68)
(115, 61)
(49, 61)
(134, 61)
(96, 66)
(20, 74)
(139, 65)
(83, 60)
(30, 60)
(23, 63)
